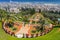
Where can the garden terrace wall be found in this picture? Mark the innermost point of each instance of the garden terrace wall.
(6, 29)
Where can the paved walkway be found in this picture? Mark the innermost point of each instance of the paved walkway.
(24, 29)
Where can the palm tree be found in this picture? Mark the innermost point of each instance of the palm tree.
(42, 28)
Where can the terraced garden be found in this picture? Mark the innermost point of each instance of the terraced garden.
(35, 18)
(53, 35)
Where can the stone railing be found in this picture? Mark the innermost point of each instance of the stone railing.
(6, 29)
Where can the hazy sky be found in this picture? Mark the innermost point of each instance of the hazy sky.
(45, 1)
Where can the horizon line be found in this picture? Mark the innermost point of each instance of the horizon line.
(30, 2)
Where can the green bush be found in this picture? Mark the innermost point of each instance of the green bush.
(33, 31)
(14, 28)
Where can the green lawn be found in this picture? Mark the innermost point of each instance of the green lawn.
(53, 35)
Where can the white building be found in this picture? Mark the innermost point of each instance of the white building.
(16, 10)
